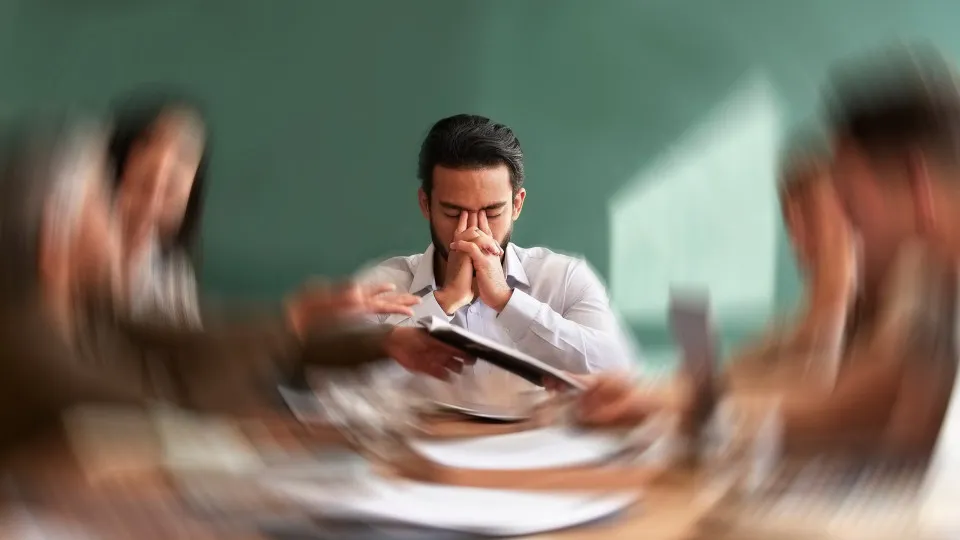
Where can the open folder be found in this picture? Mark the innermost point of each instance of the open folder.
(520, 364)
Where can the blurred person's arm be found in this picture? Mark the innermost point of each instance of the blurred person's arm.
(41, 377)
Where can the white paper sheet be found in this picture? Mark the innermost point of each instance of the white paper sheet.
(938, 497)
(546, 448)
(482, 511)
(194, 442)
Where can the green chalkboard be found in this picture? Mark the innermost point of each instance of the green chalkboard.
(317, 109)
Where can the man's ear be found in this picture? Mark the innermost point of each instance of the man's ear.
(518, 199)
(424, 203)
(921, 187)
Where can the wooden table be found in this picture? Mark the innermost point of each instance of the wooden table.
(47, 475)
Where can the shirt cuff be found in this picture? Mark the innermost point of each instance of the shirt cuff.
(429, 307)
(519, 313)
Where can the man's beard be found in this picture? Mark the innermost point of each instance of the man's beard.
(444, 249)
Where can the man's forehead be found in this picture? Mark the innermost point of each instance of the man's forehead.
(474, 179)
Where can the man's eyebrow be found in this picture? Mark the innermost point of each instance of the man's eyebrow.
(491, 206)
(495, 206)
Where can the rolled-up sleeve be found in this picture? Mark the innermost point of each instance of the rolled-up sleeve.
(586, 337)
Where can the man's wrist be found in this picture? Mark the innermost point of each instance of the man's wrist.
(447, 302)
(502, 300)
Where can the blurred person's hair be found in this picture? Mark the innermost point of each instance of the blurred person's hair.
(134, 117)
(896, 100)
(40, 177)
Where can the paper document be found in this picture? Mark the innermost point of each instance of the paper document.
(490, 512)
(548, 448)
(194, 442)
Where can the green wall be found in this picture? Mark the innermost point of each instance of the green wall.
(317, 107)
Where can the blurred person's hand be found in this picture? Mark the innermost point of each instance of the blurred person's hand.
(615, 399)
(415, 350)
(319, 303)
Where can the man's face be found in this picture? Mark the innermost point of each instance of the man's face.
(470, 190)
(881, 206)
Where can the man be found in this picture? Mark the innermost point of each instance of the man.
(548, 305)
(896, 147)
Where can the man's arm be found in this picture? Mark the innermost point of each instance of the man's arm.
(585, 338)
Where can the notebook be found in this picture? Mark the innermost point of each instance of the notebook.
(512, 360)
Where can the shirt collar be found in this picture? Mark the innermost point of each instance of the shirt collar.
(424, 279)
(513, 267)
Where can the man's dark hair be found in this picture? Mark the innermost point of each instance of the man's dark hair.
(898, 99)
(468, 141)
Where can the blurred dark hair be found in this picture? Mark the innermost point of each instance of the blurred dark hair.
(468, 141)
(134, 118)
(897, 99)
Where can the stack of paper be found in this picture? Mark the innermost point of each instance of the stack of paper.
(547, 448)
(193, 442)
(481, 511)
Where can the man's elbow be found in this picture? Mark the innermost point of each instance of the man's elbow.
(611, 359)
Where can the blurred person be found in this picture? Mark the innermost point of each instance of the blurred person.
(62, 344)
(159, 152)
(896, 135)
(550, 306)
(810, 347)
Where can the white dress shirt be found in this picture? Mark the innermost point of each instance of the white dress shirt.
(559, 313)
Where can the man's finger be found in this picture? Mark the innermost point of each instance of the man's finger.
(437, 371)
(442, 349)
(462, 226)
(468, 235)
(487, 244)
(469, 248)
(483, 223)
(453, 365)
